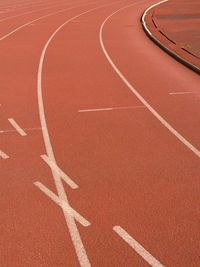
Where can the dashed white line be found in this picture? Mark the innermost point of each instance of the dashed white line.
(54, 167)
(17, 127)
(182, 93)
(180, 137)
(110, 109)
(3, 155)
(137, 247)
(63, 204)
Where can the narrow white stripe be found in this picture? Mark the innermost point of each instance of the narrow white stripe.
(29, 12)
(3, 155)
(139, 96)
(40, 18)
(63, 204)
(17, 127)
(181, 93)
(109, 109)
(25, 129)
(137, 247)
(64, 176)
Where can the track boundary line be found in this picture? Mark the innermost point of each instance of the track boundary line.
(152, 6)
(173, 54)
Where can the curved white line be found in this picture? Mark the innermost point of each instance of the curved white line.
(27, 6)
(74, 233)
(43, 17)
(30, 12)
(17, 4)
(145, 13)
(138, 95)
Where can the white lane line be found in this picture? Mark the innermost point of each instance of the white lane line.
(29, 12)
(54, 167)
(138, 95)
(182, 93)
(25, 129)
(145, 13)
(137, 247)
(63, 204)
(3, 155)
(70, 221)
(17, 127)
(19, 7)
(40, 18)
(110, 109)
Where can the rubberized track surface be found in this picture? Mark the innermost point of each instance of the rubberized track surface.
(100, 143)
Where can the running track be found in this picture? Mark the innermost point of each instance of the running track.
(99, 139)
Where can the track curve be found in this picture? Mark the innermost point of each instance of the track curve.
(137, 185)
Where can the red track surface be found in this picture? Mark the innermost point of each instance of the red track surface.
(136, 166)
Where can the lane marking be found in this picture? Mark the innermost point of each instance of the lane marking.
(3, 155)
(137, 247)
(182, 93)
(30, 12)
(42, 17)
(17, 127)
(138, 95)
(16, 7)
(110, 109)
(56, 169)
(70, 221)
(63, 204)
(25, 129)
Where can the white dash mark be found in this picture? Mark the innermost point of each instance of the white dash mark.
(137, 247)
(17, 127)
(54, 167)
(110, 109)
(63, 204)
(181, 93)
(26, 129)
(3, 155)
